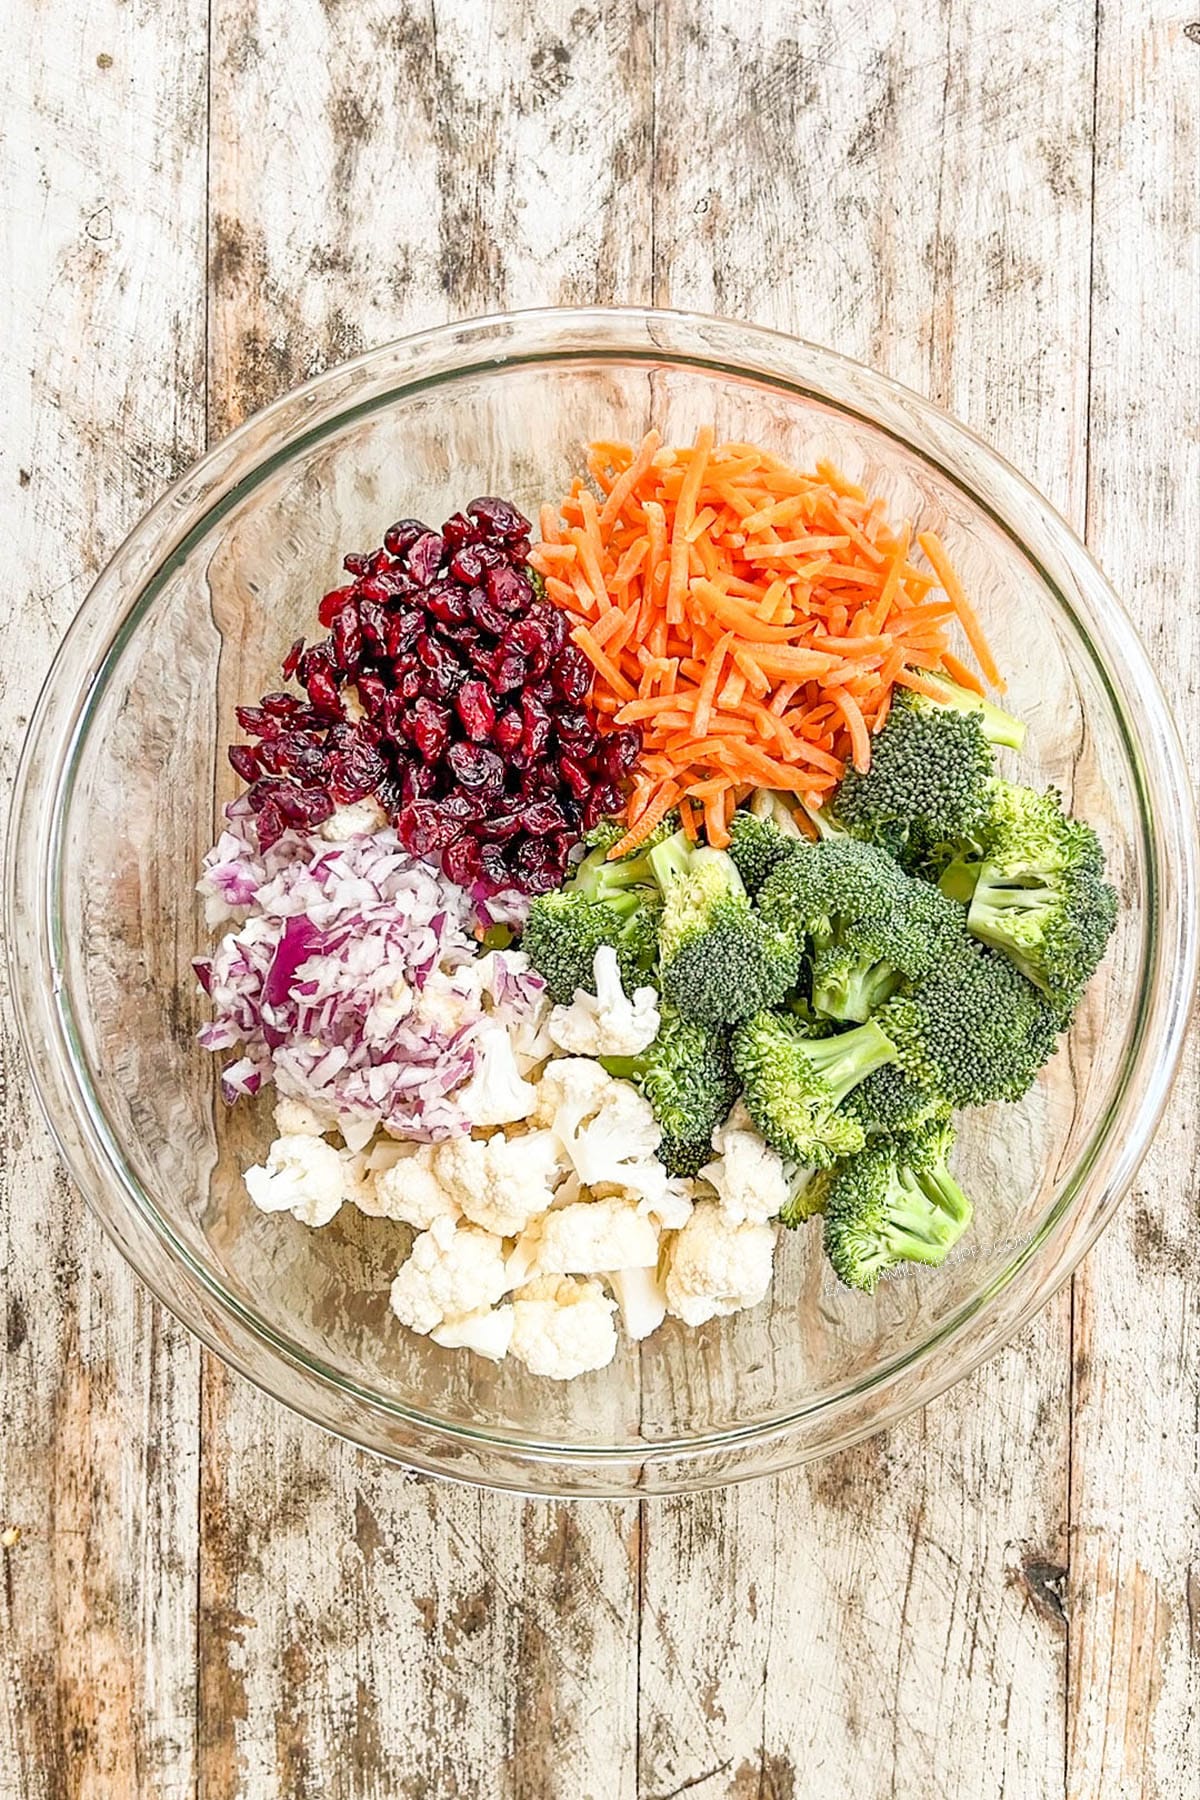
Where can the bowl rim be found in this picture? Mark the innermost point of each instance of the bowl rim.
(57, 731)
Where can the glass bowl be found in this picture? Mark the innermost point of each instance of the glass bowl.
(118, 797)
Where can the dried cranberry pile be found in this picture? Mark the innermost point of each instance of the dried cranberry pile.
(475, 735)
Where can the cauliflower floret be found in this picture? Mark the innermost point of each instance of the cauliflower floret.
(501, 1183)
(747, 1174)
(608, 1022)
(563, 1327)
(488, 1332)
(359, 820)
(641, 1297)
(359, 1179)
(596, 1235)
(296, 1118)
(412, 1190)
(619, 1145)
(452, 1271)
(717, 1266)
(303, 1175)
(497, 1093)
(671, 1209)
(511, 983)
(571, 1090)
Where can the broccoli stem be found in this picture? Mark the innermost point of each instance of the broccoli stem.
(926, 1212)
(999, 727)
(855, 993)
(845, 1060)
(670, 860)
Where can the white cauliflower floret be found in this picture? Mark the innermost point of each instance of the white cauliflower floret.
(412, 1190)
(296, 1118)
(596, 1235)
(497, 1093)
(359, 820)
(608, 1022)
(303, 1175)
(672, 1208)
(641, 1297)
(452, 1270)
(499, 972)
(571, 1090)
(563, 1327)
(359, 1179)
(717, 1266)
(747, 1174)
(605, 1126)
(488, 1332)
(501, 1183)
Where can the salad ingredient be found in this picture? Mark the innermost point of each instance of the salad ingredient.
(453, 1270)
(794, 1084)
(758, 845)
(927, 784)
(687, 1077)
(1037, 890)
(608, 1022)
(447, 694)
(604, 902)
(890, 1101)
(501, 1183)
(302, 1175)
(642, 1298)
(413, 1190)
(488, 1332)
(753, 621)
(748, 1175)
(563, 1327)
(720, 960)
(807, 1194)
(352, 981)
(607, 1130)
(591, 1236)
(497, 1093)
(718, 1265)
(896, 1201)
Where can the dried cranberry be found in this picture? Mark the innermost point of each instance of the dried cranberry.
(507, 589)
(353, 773)
(466, 565)
(509, 726)
(323, 689)
(575, 730)
(508, 670)
(459, 530)
(485, 615)
(423, 558)
(347, 640)
(473, 703)
(374, 622)
(332, 605)
(410, 683)
(467, 809)
(571, 673)
(498, 516)
(492, 866)
(424, 829)
(542, 817)
(575, 776)
(292, 659)
(499, 825)
(460, 860)
(373, 693)
(398, 538)
(402, 631)
(244, 761)
(478, 769)
(391, 583)
(429, 728)
(533, 641)
(620, 750)
(255, 720)
(447, 602)
(417, 781)
(535, 727)
(270, 825)
(536, 870)
(443, 671)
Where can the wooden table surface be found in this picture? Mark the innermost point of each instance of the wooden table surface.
(207, 201)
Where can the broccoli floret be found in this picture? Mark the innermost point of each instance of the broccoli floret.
(608, 832)
(605, 902)
(808, 1195)
(869, 925)
(757, 846)
(999, 727)
(927, 784)
(793, 1084)
(894, 1202)
(890, 1101)
(720, 962)
(973, 1028)
(688, 1079)
(1037, 890)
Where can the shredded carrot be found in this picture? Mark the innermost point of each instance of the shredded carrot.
(751, 621)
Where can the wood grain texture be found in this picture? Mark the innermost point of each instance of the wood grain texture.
(998, 205)
(1133, 1594)
(101, 354)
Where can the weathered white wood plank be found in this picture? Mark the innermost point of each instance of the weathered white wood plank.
(364, 1633)
(1134, 1589)
(913, 190)
(102, 371)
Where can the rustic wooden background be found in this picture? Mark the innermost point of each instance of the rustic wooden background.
(208, 200)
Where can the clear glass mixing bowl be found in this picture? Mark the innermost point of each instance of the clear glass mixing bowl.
(119, 794)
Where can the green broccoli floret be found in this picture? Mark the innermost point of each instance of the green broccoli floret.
(869, 925)
(608, 832)
(999, 727)
(894, 1202)
(973, 1028)
(927, 783)
(687, 1077)
(757, 846)
(1037, 890)
(793, 1084)
(720, 962)
(889, 1101)
(615, 903)
(809, 1193)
